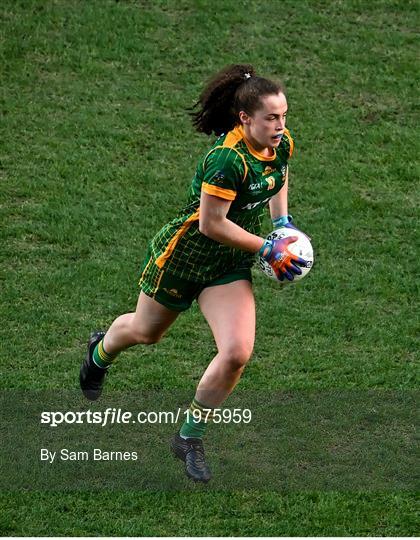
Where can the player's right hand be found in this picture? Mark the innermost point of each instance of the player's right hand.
(284, 263)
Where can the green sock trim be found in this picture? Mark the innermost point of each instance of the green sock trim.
(101, 358)
(192, 427)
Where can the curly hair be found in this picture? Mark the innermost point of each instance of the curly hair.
(233, 89)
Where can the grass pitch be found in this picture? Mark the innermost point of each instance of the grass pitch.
(96, 153)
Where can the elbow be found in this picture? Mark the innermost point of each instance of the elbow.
(208, 228)
(212, 228)
(204, 228)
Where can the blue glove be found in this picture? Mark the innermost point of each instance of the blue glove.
(284, 263)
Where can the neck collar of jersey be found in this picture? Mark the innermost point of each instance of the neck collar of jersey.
(252, 150)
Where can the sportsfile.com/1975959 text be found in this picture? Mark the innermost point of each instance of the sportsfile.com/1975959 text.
(118, 416)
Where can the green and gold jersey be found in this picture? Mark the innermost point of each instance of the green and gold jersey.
(234, 171)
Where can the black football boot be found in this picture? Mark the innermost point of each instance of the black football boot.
(191, 452)
(92, 376)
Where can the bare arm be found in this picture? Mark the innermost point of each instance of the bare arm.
(214, 224)
(278, 204)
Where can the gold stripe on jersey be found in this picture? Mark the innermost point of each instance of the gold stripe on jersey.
(233, 137)
(223, 193)
(291, 142)
(160, 261)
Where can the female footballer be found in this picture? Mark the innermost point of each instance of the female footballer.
(207, 251)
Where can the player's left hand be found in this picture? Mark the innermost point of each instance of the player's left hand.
(284, 263)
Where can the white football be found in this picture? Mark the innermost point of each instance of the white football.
(302, 248)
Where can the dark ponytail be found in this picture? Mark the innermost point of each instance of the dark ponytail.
(235, 88)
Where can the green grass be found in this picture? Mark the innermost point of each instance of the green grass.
(200, 514)
(97, 152)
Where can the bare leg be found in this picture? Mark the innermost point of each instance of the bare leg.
(230, 311)
(146, 325)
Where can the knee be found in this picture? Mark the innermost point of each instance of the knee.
(237, 355)
(143, 338)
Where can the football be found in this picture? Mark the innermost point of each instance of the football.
(302, 247)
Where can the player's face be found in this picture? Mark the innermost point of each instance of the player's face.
(265, 127)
